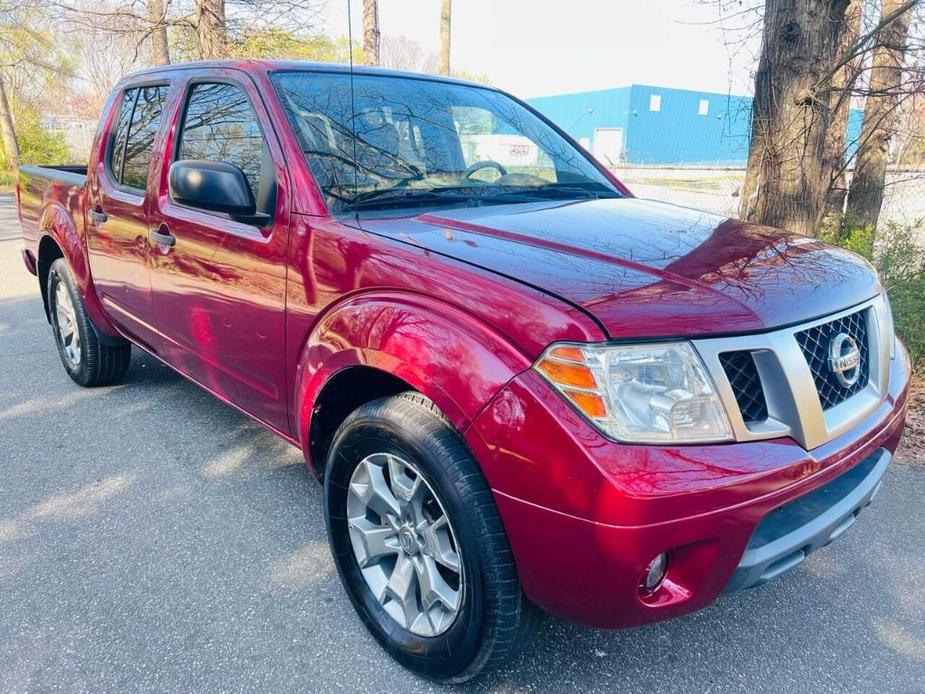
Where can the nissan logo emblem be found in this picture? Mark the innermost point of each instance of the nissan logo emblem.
(845, 359)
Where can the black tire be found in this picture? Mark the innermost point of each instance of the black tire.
(98, 364)
(494, 618)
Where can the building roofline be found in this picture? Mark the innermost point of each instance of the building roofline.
(635, 85)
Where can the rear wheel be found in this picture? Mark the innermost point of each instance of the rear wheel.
(418, 541)
(87, 360)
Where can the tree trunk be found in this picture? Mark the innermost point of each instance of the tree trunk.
(370, 32)
(837, 133)
(865, 197)
(787, 179)
(160, 52)
(211, 29)
(7, 131)
(445, 12)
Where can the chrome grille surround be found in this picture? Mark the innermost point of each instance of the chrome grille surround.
(793, 400)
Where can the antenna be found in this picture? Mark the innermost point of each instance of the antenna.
(353, 110)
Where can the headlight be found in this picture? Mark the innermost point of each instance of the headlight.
(657, 393)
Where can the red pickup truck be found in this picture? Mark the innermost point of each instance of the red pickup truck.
(521, 386)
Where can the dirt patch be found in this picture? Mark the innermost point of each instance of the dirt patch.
(912, 448)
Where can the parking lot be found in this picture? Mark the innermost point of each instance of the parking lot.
(153, 539)
(717, 190)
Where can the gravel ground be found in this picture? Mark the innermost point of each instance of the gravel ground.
(153, 539)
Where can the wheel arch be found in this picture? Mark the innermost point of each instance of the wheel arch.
(61, 239)
(49, 251)
(342, 393)
(377, 345)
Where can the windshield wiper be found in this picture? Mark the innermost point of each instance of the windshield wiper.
(472, 195)
(397, 197)
(555, 190)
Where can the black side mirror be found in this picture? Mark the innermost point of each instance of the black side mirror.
(211, 185)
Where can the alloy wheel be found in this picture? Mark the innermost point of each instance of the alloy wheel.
(66, 320)
(404, 544)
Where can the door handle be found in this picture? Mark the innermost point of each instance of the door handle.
(157, 237)
(98, 216)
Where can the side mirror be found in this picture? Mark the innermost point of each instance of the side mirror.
(211, 185)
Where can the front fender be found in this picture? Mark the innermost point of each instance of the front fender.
(441, 351)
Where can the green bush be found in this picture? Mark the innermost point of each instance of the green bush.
(36, 146)
(901, 264)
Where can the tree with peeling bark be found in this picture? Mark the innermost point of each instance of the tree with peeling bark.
(842, 87)
(211, 29)
(865, 196)
(370, 32)
(7, 130)
(814, 61)
(157, 20)
(787, 177)
(164, 31)
(31, 64)
(446, 11)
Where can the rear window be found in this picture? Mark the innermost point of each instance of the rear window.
(133, 142)
(117, 148)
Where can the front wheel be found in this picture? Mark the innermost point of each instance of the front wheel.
(418, 541)
(87, 360)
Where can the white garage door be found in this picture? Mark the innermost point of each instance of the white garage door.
(608, 145)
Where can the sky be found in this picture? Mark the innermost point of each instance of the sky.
(545, 47)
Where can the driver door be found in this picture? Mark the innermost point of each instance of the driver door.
(218, 284)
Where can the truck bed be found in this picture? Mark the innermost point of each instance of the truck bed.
(55, 193)
(65, 173)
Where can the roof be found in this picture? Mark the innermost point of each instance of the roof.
(294, 65)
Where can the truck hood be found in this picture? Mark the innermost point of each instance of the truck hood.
(648, 269)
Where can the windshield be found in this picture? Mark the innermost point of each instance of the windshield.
(424, 142)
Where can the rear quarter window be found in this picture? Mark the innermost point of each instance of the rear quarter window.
(117, 142)
(139, 145)
(133, 141)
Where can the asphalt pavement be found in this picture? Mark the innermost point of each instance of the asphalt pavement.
(155, 540)
(9, 226)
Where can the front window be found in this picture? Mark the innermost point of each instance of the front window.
(220, 124)
(425, 142)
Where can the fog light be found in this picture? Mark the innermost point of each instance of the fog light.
(655, 573)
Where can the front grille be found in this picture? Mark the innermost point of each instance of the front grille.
(815, 343)
(746, 385)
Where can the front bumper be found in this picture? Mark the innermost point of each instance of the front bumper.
(585, 515)
(788, 534)
(29, 261)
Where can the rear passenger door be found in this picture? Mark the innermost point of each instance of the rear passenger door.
(219, 289)
(117, 238)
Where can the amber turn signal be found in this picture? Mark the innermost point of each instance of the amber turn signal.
(590, 403)
(568, 374)
(566, 368)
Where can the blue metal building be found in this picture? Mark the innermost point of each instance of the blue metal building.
(642, 124)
